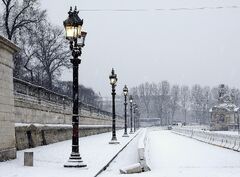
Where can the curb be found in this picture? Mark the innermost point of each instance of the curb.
(105, 167)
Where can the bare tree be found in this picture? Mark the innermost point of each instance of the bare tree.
(174, 100)
(144, 95)
(165, 101)
(206, 105)
(29, 67)
(157, 101)
(51, 50)
(184, 100)
(197, 102)
(19, 15)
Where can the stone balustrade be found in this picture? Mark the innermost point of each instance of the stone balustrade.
(37, 94)
(35, 104)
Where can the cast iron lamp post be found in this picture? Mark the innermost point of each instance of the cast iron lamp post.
(238, 123)
(134, 117)
(113, 81)
(73, 25)
(131, 112)
(135, 109)
(138, 120)
(125, 92)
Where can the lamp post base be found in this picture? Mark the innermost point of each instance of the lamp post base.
(125, 135)
(114, 142)
(75, 162)
(131, 132)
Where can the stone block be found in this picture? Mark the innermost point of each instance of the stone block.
(28, 158)
(7, 154)
(134, 168)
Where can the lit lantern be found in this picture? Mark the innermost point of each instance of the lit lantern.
(73, 25)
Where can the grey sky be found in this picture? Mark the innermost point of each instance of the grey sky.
(181, 46)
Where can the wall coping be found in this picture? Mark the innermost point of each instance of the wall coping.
(8, 45)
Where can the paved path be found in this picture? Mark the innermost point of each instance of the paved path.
(49, 160)
(173, 155)
(169, 155)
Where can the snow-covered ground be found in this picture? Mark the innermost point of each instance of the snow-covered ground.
(178, 156)
(172, 155)
(169, 155)
(127, 157)
(49, 160)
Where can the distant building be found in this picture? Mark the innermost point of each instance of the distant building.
(224, 115)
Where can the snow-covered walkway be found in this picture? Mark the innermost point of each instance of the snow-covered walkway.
(173, 155)
(49, 160)
(169, 155)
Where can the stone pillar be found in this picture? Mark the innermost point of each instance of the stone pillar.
(7, 127)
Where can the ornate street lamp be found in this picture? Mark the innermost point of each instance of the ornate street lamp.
(138, 118)
(238, 123)
(134, 117)
(73, 28)
(125, 92)
(113, 81)
(131, 112)
(135, 109)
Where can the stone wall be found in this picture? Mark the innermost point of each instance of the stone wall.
(34, 104)
(7, 134)
(28, 136)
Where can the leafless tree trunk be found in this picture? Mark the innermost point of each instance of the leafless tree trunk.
(184, 99)
(174, 100)
(145, 94)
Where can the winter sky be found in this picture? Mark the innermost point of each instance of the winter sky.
(182, 41)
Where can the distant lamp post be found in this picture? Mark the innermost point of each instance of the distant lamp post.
(238, 123)
(135, 110)
(113, 81)
(134, 117)
(125, 92)
(131, 113)
(73, 26)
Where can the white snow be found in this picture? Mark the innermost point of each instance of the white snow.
(173, 155)
(49, 160)
(126, 158)
(169, 155)
(178, 156)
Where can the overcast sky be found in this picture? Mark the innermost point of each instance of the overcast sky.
(182, 41)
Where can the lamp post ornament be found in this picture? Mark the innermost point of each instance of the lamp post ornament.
(113, 81)
(125, 92)
(73, 27)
